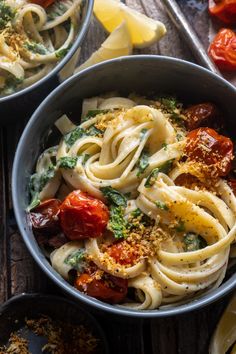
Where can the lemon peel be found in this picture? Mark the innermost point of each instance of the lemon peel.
(116, 45)
(144, 31)
(225, 334)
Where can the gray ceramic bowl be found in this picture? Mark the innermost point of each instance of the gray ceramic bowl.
(128, 74)
(27, 99)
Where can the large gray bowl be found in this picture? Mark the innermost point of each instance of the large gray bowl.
(27, 100)
(128, 74)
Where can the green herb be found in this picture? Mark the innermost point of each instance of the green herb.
(68, 162)
(165, 168)
(143, 133)
(37, 182)
(193, 242)
(85, 158)
(11, 84)
(136, 213)
(93, 131)
(93, 113)
(79, 132)
(127, 195)
(143, 218)
(142, 163)
(37, 48)
(164, 146)
(176, 118)
(161, 205)
(74, 135)
(180, 227)
(34, 202)
(62, 52)
(76, 260)
(6, 14)
(179, 137)
(170, 103)
(117, 223)
(114, 197)
(58, 9)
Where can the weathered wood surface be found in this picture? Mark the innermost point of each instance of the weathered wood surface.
(188, 334)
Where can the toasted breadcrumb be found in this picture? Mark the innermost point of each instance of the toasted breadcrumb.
(63, 338)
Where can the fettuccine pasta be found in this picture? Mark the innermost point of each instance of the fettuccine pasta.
(34, 36)
(140, 200)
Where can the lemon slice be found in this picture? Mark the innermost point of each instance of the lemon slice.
(116, 45)
(225, 334)
(144, 31)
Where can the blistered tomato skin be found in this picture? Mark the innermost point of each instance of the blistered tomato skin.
(222, 50)
(224, 10)
(43, 3)
(206, 146)
(200, 114)
(83, 216)
(46, 215)
(122, 253)
(109, 289)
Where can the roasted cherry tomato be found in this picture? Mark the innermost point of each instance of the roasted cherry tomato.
(123, 253)
(43, 3)
(200, 114)
(224, 10)
(109, 289)
(232, 184)
(83, 216)
(46, 215)
(223, 50)
(206, 146)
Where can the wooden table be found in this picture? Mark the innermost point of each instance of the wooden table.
(187, 334)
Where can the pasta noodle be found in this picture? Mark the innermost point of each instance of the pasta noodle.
(33, 38)
(171, 224)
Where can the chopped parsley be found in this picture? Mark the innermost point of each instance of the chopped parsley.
(68, 162)
(62, 52)
(165, 168)
(169, 103)
(143, 133)
(93, 131)
(180, 227)
(7, 14)
(37, 182)
(37, 48)
(11, 84)
(193, 242)
(161, 205)
(117, 223)
(74, 135)
(79, 132)
(76, 260)
(164, 146)
(114, 197)
(58, 9)
(143, 218)
(85, 158)
(142, 163)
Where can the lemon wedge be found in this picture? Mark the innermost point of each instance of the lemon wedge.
(225, 334)
(144, 31)
(116, 45)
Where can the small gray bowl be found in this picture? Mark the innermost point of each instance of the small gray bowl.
(27, 100)
(141, 74)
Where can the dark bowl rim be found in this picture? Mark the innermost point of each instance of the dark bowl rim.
(79, 38)
(195, 304)
(55, 298)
